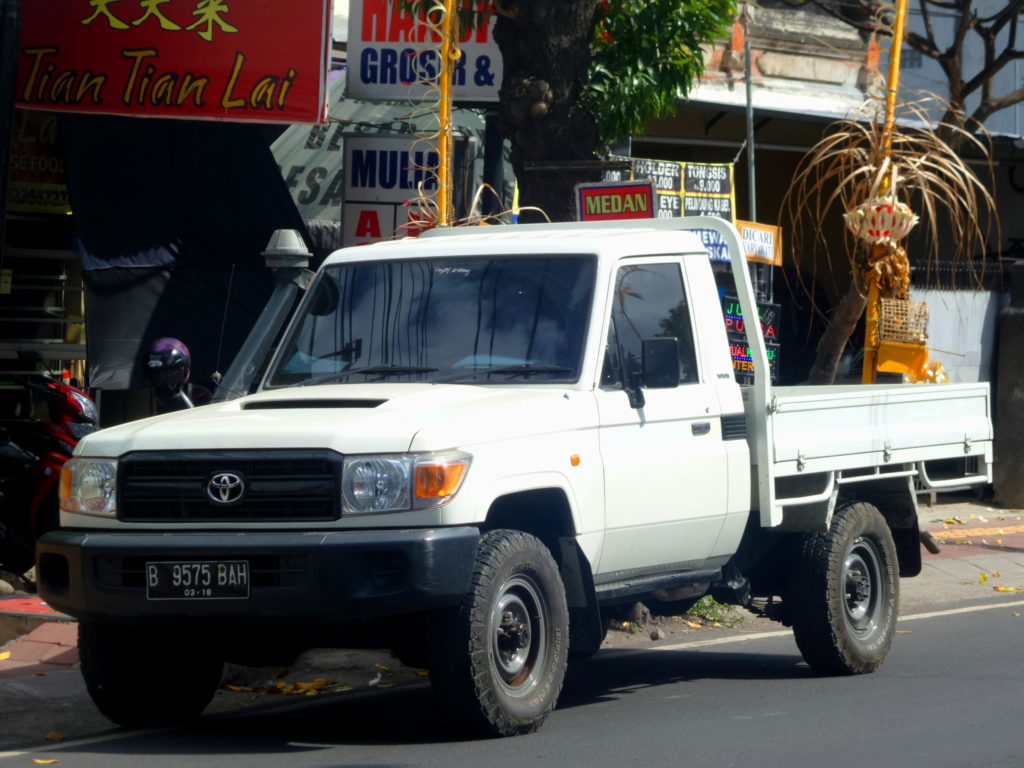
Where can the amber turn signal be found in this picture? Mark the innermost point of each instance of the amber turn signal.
(438, 480)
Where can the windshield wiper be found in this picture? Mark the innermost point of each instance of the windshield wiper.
(374, 370)
(526, 369)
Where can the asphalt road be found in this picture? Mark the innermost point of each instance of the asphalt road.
(949, 695)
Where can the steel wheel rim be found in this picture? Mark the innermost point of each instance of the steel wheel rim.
(862, 583)
(518, 634)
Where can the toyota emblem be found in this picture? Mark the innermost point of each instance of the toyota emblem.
(225, 488)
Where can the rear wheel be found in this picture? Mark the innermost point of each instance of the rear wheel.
(499, 660)
(118, 663)
(845, 593)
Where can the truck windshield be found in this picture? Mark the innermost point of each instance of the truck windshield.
(481, 320)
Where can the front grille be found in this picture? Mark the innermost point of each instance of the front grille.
(287, 486)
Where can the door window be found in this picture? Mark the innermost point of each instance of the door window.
(649, 302)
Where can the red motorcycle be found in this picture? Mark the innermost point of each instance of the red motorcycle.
(48, 424)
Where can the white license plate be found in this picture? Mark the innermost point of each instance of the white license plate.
(198, 580)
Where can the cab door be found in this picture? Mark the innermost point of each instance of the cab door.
(665, 468)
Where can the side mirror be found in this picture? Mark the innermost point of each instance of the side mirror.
(325, 297)
(661, 362)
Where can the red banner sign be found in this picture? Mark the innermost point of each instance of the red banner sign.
(603, 200)
(253, 60)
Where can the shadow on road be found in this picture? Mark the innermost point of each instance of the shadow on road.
(405, 715)
(614, 674)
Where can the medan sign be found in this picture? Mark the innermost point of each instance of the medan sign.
(616, 200)
(394, 56)
(251, 60)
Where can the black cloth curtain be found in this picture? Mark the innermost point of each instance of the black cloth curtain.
(171, 218)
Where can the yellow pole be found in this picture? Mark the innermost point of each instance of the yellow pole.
(870, 372)
(444, 169)
(892, 89)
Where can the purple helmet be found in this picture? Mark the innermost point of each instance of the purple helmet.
(168, 363)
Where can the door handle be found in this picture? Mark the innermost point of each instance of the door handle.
(700, 427)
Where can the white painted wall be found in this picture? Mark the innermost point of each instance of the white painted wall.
(962, 331)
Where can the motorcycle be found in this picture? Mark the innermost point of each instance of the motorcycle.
(48, 424)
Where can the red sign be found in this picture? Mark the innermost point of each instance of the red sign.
(254, 60)
(615, 200)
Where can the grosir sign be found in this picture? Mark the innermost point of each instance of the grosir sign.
(256, 60)
(395, 56)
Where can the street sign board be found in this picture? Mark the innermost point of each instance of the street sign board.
(602, 201)
(395, 56)
(258, 60)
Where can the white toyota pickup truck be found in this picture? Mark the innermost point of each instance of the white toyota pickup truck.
(473, 448)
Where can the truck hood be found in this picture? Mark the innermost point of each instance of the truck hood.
(352, 418)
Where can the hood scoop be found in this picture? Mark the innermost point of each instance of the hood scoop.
(267, 405)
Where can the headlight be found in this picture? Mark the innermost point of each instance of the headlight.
(87, 406)
(400, 482)
(88, 487)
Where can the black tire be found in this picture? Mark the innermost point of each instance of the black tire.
(499, 658)
(845, 593)
(119, 664)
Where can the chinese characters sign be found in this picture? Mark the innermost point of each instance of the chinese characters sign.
(254, 60)
(395, 56)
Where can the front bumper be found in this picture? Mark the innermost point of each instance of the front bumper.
(308, 578)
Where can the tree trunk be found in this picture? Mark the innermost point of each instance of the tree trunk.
(840, 328)
(545, 49)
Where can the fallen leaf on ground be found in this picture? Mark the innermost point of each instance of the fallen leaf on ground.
(41, 761)
(5, 655)
(904, 631)
(423, 672)
(1016, 613)
(693, 624)
(1008, 589)
(381, 666)
(996, 575)
(54, 736)
(313, 685)
(983, 578)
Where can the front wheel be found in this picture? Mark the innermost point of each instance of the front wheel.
(845, 593)
(499, 659)
(118, 663)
